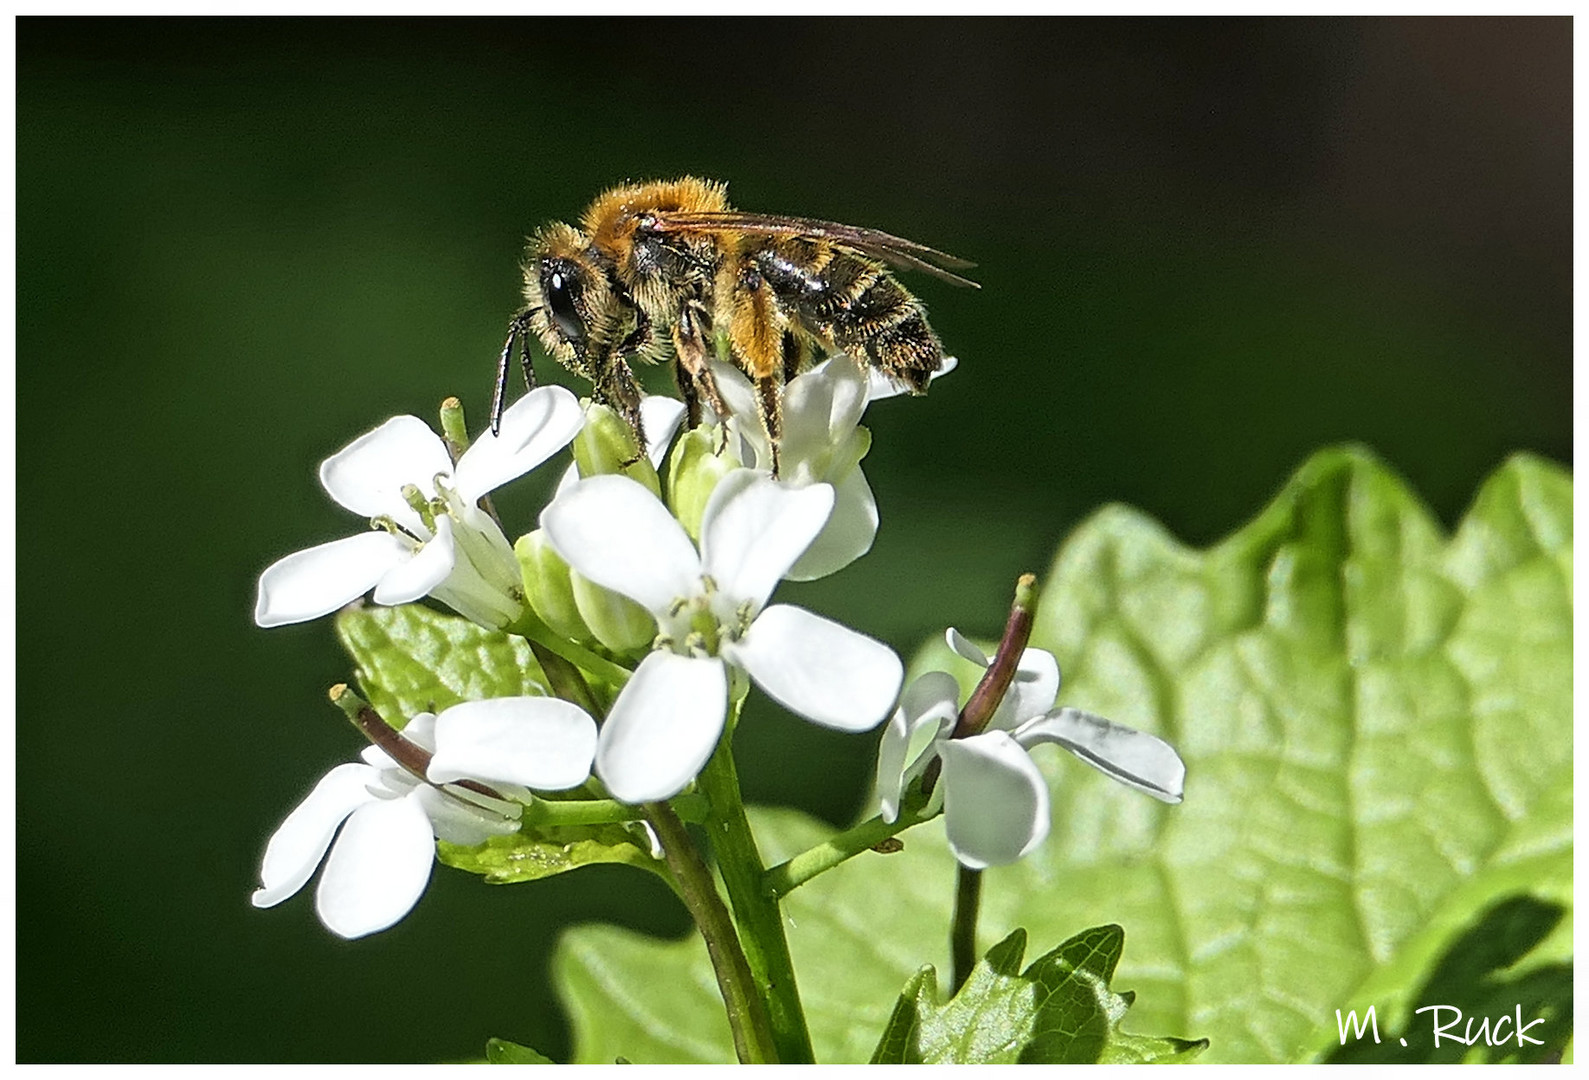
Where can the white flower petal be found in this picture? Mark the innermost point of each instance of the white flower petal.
(620, 536)
(964, 646)
(298, 845)
(416, 577)
(318, 580)
(1135, 758)
(881, 386)
(821, 407)
(661, 417)
(367, 475)
(458, 823)
(539, 742)
(754, 529)
(663, 727)
(569, 479)
(378, 868)
(744, 419)
(847, 536)
(931, 699)
(534, 428)
(1032, 691)
(377, 758)
(820, 670)
(421, 731)
(995, 800)
(737, 392)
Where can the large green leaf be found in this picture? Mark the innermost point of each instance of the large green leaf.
(411, 659)
(1059, 1011)
(1377, 727)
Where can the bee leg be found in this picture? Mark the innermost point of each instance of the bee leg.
(689, 343)
(688, 395)
(499, 393)
(795, 354)
(639, 338)
(769, 396)
(618, 390)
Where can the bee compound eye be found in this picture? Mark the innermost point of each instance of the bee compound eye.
(559, 286)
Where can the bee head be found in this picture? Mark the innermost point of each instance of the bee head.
(574, 309)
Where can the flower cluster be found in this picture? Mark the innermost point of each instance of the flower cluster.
(649, 604)
(698, 616)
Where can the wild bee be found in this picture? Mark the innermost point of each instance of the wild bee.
(667, 270)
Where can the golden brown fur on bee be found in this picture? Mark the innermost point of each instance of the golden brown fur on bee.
(666, 269)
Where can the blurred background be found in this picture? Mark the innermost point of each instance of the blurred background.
(1206, 247)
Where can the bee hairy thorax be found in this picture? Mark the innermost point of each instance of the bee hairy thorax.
(667, 270)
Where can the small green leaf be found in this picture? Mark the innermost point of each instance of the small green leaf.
(411, 659)
(536, 852)
(1060, 1010)
(502, 1052)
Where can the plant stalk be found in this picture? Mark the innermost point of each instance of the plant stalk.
(747, 1012)
(756, 909)
(565, 679)
(787, 876)
(530, 627)
(963, 931)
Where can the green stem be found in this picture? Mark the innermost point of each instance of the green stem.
(747, 1013)
(565, 679)
(604, 811)
(755, 909)
(787, 876)
(530, 627)
(963, 931)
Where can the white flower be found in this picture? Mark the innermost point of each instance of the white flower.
(453, 551)
(822, 444)
(710, 611)
(995, 800)
(390, 819)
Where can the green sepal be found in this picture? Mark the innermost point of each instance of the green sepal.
(411, 659)
(502, 1052)
(620, 624)
(694, 470)
(544, 851)
(549, 588)
(606, 446)
(1060, 1010)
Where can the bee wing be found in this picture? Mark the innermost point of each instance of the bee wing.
(896, 251)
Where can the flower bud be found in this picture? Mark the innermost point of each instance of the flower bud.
(607, 445)
(617, 621)
(548, 587)
(453, 428)
(694, 470)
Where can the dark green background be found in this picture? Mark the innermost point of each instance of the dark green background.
(1207, 248)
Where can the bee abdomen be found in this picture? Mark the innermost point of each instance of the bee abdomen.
(855, 303)
(907, 352)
